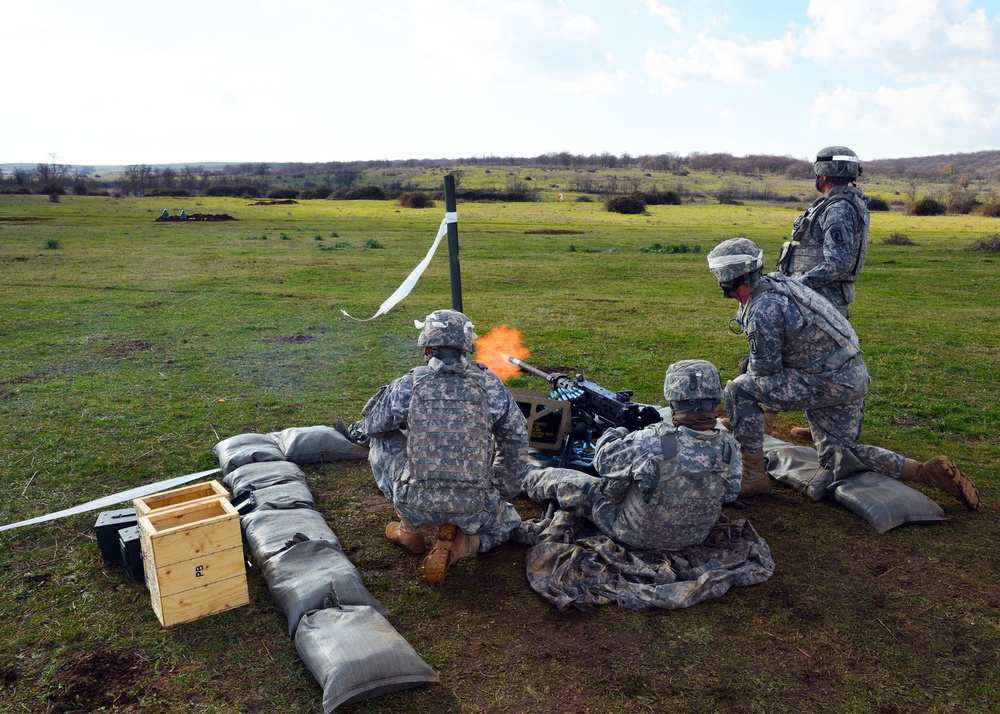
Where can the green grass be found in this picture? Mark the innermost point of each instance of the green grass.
(136, 346)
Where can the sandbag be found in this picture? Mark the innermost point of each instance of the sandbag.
(284, 495)
(317, 445)
(355, 654)
(245, 449)
(301, 577)
(251, 477)
(885, 503)
(269, 532)
(798, 468)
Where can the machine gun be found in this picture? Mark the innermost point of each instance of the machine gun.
(564, 427)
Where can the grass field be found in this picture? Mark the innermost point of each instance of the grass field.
(131, 347)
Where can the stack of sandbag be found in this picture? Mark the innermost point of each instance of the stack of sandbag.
(884, 503)
(300, 445)
(340, 629)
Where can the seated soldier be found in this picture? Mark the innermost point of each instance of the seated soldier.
(804, 354)
(661, 487)
(448, 445)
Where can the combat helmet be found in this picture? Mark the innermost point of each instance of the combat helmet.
(692, 385)
(446, 328)
(734, 258)
(838, 163)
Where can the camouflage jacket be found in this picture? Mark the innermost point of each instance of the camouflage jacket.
(664, 486)
(388, 411)
(789, 326)
(828, 244)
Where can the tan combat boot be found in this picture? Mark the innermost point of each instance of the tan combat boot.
(755, 479)
(769, 419)
(451, 545)
(942, 474)
(406, 536)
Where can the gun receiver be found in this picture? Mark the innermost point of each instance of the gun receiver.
(594, 407)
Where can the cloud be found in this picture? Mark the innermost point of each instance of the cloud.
(723, 62)
(957, 116)
(666, 13)
(481, 44)
(910, 39)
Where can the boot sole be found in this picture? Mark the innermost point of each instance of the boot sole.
(968, 494)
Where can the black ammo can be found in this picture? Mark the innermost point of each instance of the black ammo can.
(109, 523)
(131, 553)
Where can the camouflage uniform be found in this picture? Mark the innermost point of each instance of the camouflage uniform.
(828, 245)
(426, 488)
(661, 487)
(804, 354)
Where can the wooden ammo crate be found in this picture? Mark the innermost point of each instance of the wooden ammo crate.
(192, 555)
(178, 496)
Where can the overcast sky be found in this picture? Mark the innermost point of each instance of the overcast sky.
(140, 81)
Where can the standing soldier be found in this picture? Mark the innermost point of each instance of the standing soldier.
(828, 244)
(804, 354)
(448, 445)
(661, 487)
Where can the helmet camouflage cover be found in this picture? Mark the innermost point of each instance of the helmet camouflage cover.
(447, 328)
(837, 162)
(735, 257)
(692, 385)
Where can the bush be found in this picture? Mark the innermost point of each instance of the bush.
(283, 193)
(364, 193)
(630, 205)
(990, 244)
(315, 192)
(169, 192)
(659, 198)
(898, 239)
(416, 199)
(373, 244)
(926, 207)
(53, 244)
(990, 210)
(242, 190)
(878, 204)
(584, 199)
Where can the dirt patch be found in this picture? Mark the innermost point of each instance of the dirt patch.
(125, 349)
(196, 217)
(22, 219)
(553, 232)
(8, 676)
(99, 678)
(291, 339)
(282, 202)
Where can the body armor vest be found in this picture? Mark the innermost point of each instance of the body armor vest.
(686, 500)
(827, 341)
(449, 449)
(805, 250)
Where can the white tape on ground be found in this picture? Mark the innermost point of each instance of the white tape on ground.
(113, 499)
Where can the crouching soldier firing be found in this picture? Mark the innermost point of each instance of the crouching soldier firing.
(448, 445)
(804, 354)
(661, 487)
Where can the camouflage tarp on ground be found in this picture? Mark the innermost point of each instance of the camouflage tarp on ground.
(571, 564)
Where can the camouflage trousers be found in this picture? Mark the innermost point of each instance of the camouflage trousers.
(573, 490)
(493, 522)
(834, 404)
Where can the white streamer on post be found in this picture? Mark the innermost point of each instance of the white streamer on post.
(411, 280)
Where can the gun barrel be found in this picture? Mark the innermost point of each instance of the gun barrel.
(532, 370)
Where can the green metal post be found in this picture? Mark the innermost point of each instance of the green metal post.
(456, 270)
